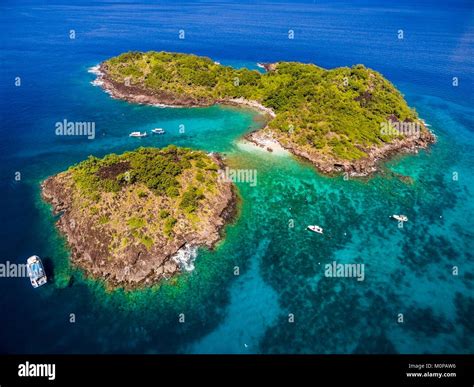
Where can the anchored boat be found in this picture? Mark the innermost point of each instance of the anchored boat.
(400, 218)
(138, 134)
(36, 271)
(315, 228)
(158, 131)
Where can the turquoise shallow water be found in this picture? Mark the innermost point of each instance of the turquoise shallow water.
(407, 270)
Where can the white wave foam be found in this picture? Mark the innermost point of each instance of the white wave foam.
(162, 105)
(185, 257)
(97, 82)
(94, 70)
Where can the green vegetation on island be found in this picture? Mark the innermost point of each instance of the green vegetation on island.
(125, 216)
(336, 113)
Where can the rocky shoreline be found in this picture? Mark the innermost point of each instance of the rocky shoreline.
(135, 266)
(139, 95)
(268, 139)
(251, 104)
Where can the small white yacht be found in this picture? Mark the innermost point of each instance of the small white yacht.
(36, 271)
(158, 131)
(400, 218)
(315, 228)
(138, 134)
(424, 122)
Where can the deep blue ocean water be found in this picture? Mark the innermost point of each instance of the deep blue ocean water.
(407, 271)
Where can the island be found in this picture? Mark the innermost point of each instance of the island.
(134, 219)
(345, 119)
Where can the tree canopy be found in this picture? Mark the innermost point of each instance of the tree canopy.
(337, 111)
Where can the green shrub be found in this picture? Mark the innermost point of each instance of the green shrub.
(190, 199)
(135, 223)
(146, 241)
(164, 214)
(103, 219)
(168, 226)
(200, 177)
(142, 194)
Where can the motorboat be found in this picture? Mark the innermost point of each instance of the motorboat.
(138, 134)
(36, 271)
(400, 218)
(315, 228)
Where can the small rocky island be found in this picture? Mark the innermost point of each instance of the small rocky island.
(130, 219)
(342, 120)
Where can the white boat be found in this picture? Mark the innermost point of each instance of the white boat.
(158, 131)
(400, 218)
(424, 122)
(315, 228)
(138, 134)
(36, 271)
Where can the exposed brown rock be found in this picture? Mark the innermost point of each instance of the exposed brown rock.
(134, 265)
